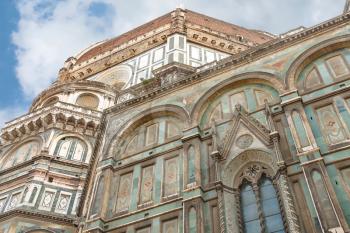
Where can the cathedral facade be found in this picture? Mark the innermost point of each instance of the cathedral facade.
(187, 124)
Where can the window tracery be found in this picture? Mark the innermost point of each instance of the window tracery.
(71, 148)
(259, 205)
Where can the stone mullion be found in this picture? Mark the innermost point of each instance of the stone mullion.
(286, 204)
(238, 210)
(221, 210)
(259, 206)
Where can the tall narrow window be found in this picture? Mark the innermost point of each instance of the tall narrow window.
(192, 220)
(249, 209)
(324, 200)
(300, 128)
(191, 165)
(270, 206)
(260, 209)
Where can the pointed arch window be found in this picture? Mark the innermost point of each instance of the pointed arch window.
(23, 153)
(249, 209)
(260, 209)
(71, 148)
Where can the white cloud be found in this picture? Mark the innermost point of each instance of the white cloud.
(9, 113)
(51, 31)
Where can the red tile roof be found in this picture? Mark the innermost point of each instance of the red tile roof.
(190, 17)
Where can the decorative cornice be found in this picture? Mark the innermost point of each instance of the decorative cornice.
(71, 86)
(36, 214)
(152, 88)
(61, 115)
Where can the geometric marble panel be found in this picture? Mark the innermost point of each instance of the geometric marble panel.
(338, 66)
(146, 184)
(170, 226)
(331, 125)
(124, 192)
(170, 177)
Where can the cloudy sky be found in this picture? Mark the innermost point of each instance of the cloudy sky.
(37, 36)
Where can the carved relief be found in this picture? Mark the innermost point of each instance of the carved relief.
(332, 128)
(244, 141)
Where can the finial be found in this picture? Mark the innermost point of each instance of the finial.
(347, 7)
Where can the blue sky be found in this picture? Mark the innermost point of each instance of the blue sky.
(37, 36)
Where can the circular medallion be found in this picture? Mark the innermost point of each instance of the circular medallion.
(244, 141)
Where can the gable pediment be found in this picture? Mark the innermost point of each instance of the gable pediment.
(245, 132)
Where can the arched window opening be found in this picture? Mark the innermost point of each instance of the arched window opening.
(324, 200)
(191, 165)
(23, 153)
(88, 101)
(71, 148)
(259, 205)
(270, 206)
(249, 209)
(300, 128)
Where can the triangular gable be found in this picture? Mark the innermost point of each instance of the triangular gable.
(247, 128)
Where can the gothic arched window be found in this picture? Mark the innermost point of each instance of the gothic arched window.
(249, 209)
(71, 148)
(23, 153)
(260, 209)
